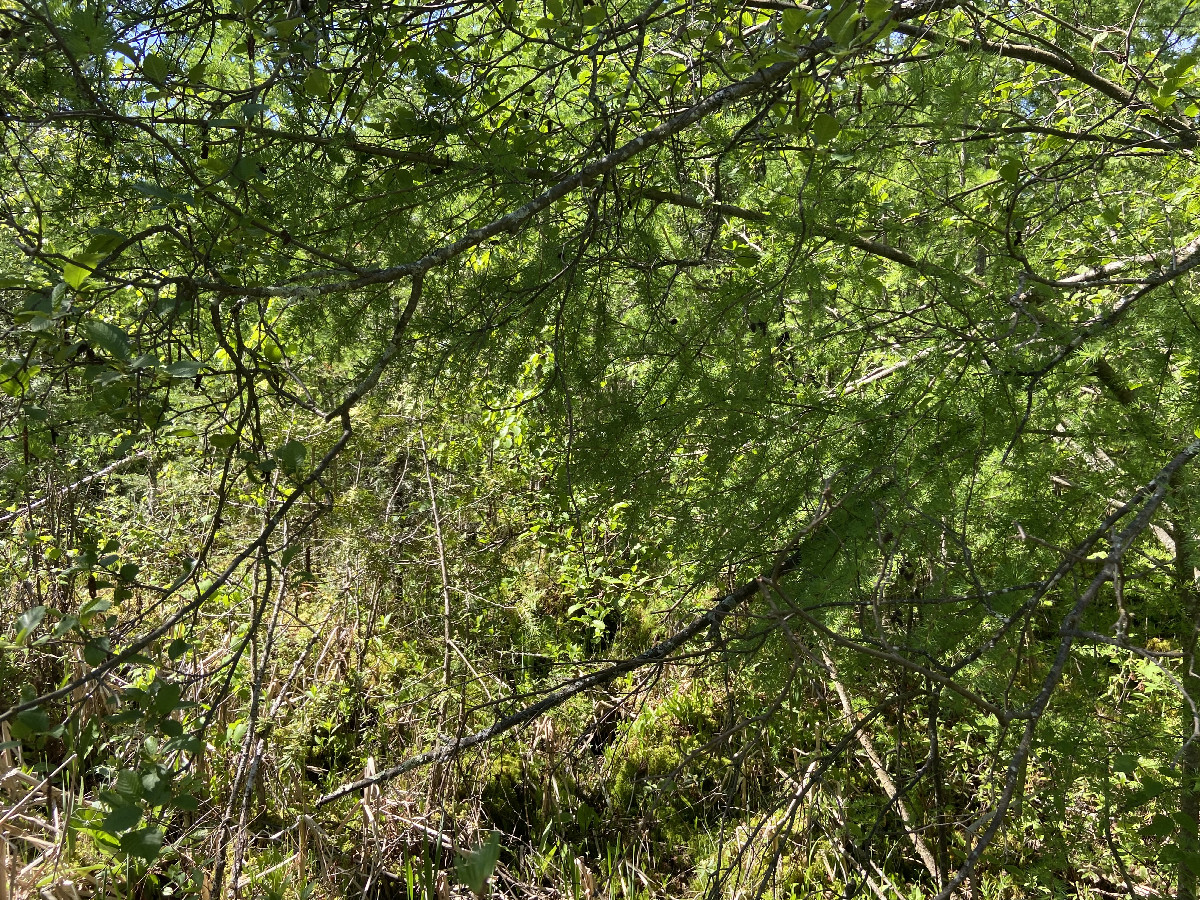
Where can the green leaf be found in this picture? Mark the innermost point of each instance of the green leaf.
(109, 338)
(475, 866)
(104, 241)
(95, 652)
(155, 68)
(316, 83)
(187, 743)
(178, 647)
(153, 190)
(28, 621)
(246, 168)
(842, 23)
(291, 455)
(65, 624)
(877, 10)
(94, 606)
(586, 817)
(1160, 826)
(122, 817)
(35, 720)
(825, 128)
(794, 21)
(166, 699)
(184, 368)
(251, 111)
(155, 784)
(76, 272)
(124, 49)
(128, 784)
(186, 802)
(15, 377)
(145, 843)
(1125, 763)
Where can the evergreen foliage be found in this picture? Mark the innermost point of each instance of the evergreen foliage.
(593, 448)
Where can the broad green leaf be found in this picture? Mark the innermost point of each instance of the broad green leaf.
(104, 240)
(94, 606)
(35, 720)
(95, 651)
(65, 624)
(155, 783)
(76, 272)
(125, 50)
(1125, 763)
(153, 190)
(184, 368)
(291, 455)
(245, 169)
(592, 15)
(109, 338)
(475, 866)
(15, 376)
(316, 83)
(122, 817)
(794, 20)
(145, 843)
(128, 784)
(166, 699)
(825, 128)
(156, 68)
(28, 621)
(842, 23)
(877, 10)
(1160, 826)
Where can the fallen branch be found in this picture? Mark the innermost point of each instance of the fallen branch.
(82, 482)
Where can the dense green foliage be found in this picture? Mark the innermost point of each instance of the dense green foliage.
(596, 448)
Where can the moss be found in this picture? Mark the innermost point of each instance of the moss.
(507, 795)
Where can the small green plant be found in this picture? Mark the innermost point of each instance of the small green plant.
(475, 867)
